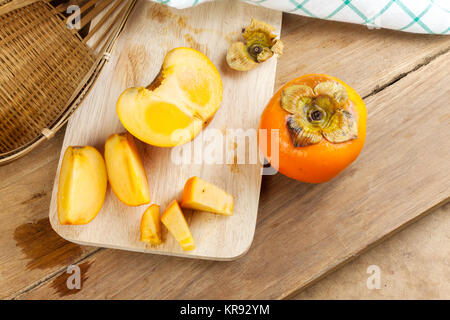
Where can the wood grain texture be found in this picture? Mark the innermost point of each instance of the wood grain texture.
(366, 59)
(305, 230)
(373, 59)
(414, 264)
(136, 60)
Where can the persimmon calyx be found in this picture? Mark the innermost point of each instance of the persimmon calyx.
(318, 113)
(259, 45)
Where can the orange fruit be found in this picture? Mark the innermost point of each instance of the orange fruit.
(322, 127)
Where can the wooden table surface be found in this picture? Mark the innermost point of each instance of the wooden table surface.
(391, 70)
(413, 264)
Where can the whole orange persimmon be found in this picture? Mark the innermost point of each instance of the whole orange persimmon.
(322, 127)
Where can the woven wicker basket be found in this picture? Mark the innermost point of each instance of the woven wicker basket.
(46, 68)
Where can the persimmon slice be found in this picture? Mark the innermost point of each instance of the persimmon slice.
(126, 172)
(82, 185)
(201, 195)
(174, 220)
(151, 225)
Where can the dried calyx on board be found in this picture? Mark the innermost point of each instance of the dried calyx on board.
(260, 44)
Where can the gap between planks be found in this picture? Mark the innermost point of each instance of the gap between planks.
(425, 61)
(378, 88)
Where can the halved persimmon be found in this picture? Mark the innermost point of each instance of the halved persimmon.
(322, 127)
(177, 105)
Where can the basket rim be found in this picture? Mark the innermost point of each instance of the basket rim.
(77, 98)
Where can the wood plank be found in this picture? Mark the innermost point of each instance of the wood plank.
(413, 265)
(135, 61)
(305, 230)
(18, 182)
(365, 59)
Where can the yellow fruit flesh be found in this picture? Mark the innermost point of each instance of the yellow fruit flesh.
(164, 118)
(175, 222)
(173, 110)
(126, 172)
(197, 89)
(151, 225)
(82, 185)
(201, 195)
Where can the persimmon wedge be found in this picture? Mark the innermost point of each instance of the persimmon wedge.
(177, 105)
(174, 220)
(82, 185)
(151, 225)
(199, 194)
(126, 172)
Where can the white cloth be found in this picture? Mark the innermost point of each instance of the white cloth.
(419, 16)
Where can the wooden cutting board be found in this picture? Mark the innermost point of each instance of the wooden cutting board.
(153, 30)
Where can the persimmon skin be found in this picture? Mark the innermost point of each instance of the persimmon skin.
(319, 162)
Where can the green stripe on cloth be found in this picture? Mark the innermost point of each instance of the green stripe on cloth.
(356, 10)
(414, 17)
(299, 6)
